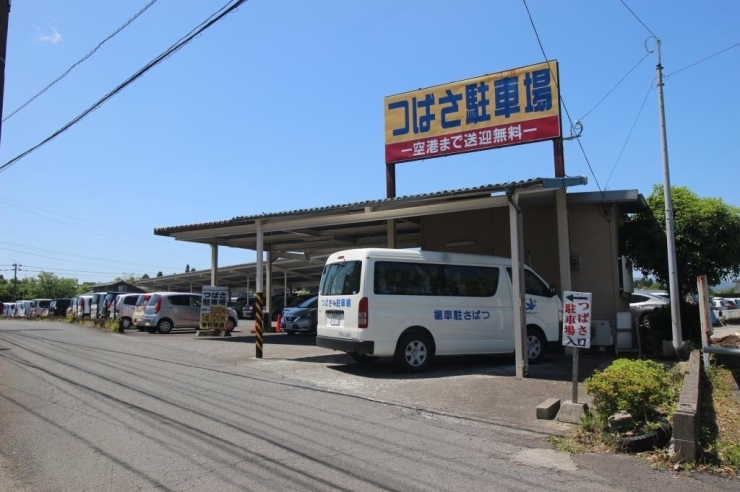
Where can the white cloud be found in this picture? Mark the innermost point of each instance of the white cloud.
(52, 37)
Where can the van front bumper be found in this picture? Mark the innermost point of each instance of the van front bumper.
(349, 346)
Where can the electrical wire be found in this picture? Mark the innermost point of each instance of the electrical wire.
(639, 20)
(617, 85)
(66, 72)
(83, 256)
(702, 60)
(650, 89)
(567, 113)
(215, 17)
(25, 207)
(107, 236)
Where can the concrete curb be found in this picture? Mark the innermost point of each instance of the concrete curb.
(686, 420)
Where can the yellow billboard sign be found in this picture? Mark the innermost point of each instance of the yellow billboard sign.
(495, 110)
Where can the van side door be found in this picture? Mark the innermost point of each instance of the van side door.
(542, 305)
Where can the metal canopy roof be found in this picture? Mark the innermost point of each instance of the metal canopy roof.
(321, 231)
(300, 240)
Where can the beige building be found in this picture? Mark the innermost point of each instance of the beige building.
(472, 220)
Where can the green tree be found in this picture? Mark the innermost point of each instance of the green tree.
(85, 287)
(159, 274)
(187, 268)
(706, 232)
(49, 286)
(144, 277)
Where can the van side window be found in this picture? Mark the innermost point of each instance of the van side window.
(180, 300)
(341, 279)
(424, 279)
(471, 281)
(533, 285)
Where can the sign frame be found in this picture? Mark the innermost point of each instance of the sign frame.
(512, 107)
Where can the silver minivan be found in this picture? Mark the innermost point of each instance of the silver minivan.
(124, 309)
(168, 310)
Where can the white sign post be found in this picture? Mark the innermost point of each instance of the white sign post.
(576, 328)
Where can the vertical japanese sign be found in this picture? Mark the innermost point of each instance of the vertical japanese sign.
(506, 108)
(213, 314)
(577, 319)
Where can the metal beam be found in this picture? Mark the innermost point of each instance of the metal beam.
(290, 223)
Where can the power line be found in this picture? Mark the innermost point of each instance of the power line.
(215, 17)
(66, 72)
(702, 60)
(639, 20)
(21, 205)
(650, 89)
(79, 255)
(617, 85)
(567, 113)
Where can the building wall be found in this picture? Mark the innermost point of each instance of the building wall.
(593, 237)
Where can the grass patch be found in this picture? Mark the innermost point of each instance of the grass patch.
(720, 424)
(646, 389)
(720, 431)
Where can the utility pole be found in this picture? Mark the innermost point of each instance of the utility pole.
(15, 279)
(672, 272)
(4, 14)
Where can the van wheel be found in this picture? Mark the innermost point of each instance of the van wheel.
(536, 345)
(413, 352)
(363, 359)
(126, 323)
(164, 326)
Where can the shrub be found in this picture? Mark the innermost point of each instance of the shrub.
(661, 325)
(639, 387)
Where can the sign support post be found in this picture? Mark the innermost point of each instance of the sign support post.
(577, 335)
(574, 396)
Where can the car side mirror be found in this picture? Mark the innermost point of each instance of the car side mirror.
(553, 291)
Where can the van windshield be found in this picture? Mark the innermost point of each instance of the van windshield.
(341, 279)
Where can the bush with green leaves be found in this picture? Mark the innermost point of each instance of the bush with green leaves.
(639, 387)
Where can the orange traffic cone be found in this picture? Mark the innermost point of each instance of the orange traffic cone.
(278, 329)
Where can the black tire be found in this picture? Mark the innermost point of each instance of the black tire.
(536, 345)
(125, 323)
(151, 329)
(413, 352)
(140, 328)
(164, 326)
(657, 438)
(231, 324)
(363, 359)
(644, 320)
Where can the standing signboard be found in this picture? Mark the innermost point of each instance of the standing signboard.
(576, 328)
(577, 319)
(213, 313)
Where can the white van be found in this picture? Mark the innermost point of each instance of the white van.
(23, 309)
(39, 307)
(413, 305)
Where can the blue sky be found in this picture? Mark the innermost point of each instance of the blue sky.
(279, 107)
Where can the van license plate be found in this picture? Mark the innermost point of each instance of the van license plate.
(344, 334)
(334, 318)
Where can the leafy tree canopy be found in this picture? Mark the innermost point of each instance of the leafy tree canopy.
(706, 232)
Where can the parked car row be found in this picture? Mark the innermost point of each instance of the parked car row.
(154, 312)
(162, 312)
(29, 308)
